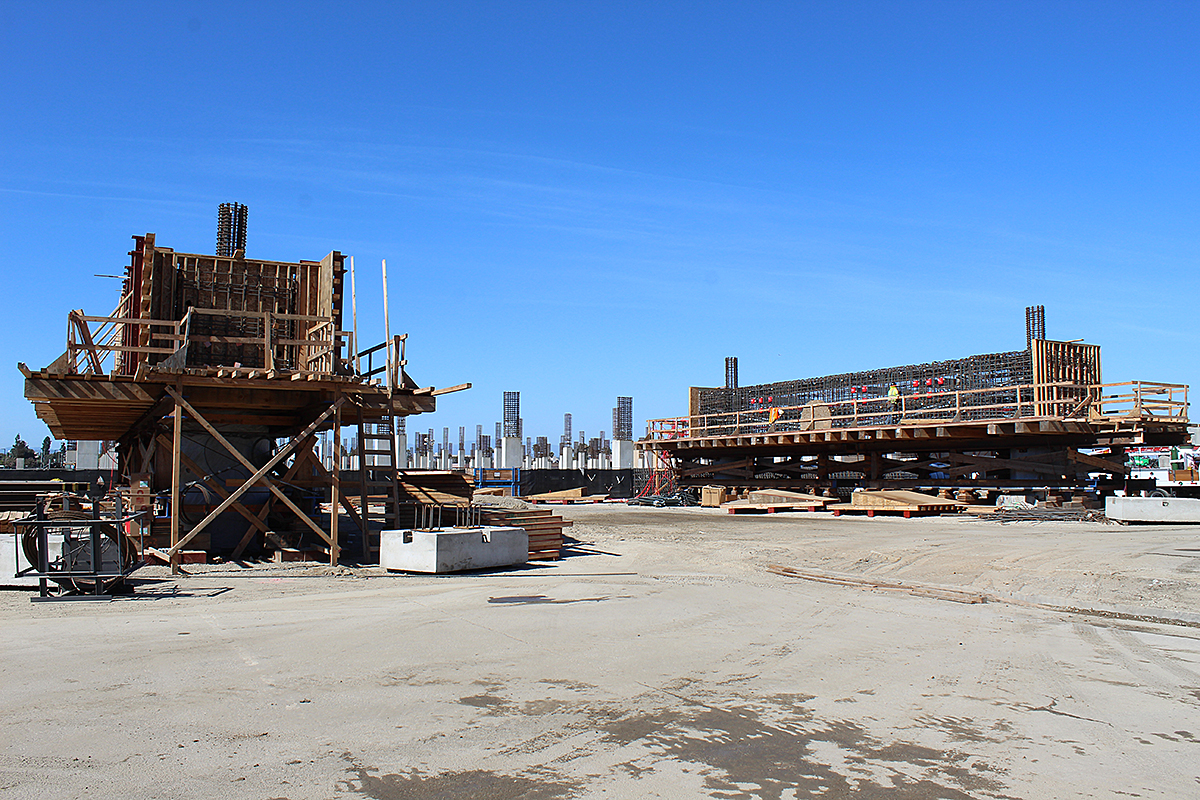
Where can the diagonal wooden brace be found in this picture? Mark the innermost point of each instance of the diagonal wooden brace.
(244, 542)
(217, 489)
(258, 476)
(85, 336)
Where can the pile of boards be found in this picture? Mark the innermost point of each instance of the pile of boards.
(566, 497)
(544, 528)
(895, 501)
(774, 501)
(23, 495)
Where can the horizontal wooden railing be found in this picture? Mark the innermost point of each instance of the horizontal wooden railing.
(1143, 400)
(309, 345)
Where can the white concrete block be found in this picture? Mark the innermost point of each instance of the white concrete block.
(453, 549)
(1153, 509)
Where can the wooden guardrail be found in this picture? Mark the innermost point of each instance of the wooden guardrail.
(1141, 400)
(306, 343)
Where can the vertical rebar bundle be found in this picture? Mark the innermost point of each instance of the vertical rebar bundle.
(566, 437)
(731, 376)
(623, 420)
(512, 414)
(1035, 324)
(231, 229)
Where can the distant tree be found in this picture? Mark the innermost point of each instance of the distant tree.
(19, 450)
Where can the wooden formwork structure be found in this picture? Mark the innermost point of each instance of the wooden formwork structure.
(230, 348)
(1010, 437)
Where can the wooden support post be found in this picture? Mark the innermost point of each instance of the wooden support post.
(268, 349)
(387, 336)
(354, 313)
(344, 498)
(176, 469)
(335, 486)
(364, 494)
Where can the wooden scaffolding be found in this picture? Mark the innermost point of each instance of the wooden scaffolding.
(933, 434)
(245, 363)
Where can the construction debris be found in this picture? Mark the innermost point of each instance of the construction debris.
(1046, 514)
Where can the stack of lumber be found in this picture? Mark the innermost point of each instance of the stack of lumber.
(773, 501)
(23, 495)
(544, 528)
(436, 487)
(894, 501)
(7, 518)
(565, 497)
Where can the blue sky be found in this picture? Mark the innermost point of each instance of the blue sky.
(579, 201)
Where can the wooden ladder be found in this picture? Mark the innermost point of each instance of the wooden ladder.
(377, 443)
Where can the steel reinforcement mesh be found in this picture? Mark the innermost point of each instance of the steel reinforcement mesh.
(623, 419)
(934, 384)
(512, 414)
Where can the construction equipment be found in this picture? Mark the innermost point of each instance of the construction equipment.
(1164, 471)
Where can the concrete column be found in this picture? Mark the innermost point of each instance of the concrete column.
(622, 454)
(510, 452)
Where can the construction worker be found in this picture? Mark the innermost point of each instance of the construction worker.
(894, 404)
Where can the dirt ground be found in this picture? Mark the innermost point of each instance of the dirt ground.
(660, 658)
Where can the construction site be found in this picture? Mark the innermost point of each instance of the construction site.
(973, 577)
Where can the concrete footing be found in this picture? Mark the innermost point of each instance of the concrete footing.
(453, 550)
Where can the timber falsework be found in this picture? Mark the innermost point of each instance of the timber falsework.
(1020, 421)
(225, 351)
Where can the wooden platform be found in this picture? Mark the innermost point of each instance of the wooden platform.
(107, 407)
(782, 496)
(770, 508)
(565, 497)
(903, 503)
(904, 511)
